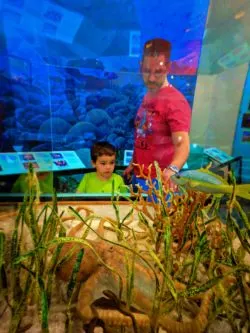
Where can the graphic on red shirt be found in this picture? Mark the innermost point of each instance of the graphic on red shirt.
(143, 121)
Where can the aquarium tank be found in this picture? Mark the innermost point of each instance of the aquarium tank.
(70, 76)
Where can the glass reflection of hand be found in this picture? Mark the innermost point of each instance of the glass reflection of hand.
(167, 174)
(128, 172)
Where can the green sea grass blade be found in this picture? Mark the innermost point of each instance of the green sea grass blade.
(76, 268)
(143, 220)
(168, 279)
(127, 216)
(3, 277)
(167, 246)
(44, 306)
(2, 247)
(51, 269)
(71, 287)
(192, 291)
(130, 267)
(243, 240)
(188, 224)
(243, 215)
(197, 257)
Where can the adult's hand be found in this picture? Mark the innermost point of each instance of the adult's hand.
(128, 172)
(167, 174)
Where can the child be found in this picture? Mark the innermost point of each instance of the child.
(103, 156)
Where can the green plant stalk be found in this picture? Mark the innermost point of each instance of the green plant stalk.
(71, 288)
(215, 205)
(2, 246)
(15, 252)
(144, 221)
(19, 305)
(56, 220)
(53, 265)
(188, 224)
(86, 232)
(243, 215)
(231, 222)
(157, 303)
(47, 221)
(159, 237)
(197, 258)
(193, 291)
(130, 276)
(167, 246)
(39, 255)
(44, 306)
(43, 298)
(33, 226)
(226, 303)
(243, 294)
(42, 258)
(236, 228)
(48, 232)
(2, 270)
(169, 281)
(75, 271)
(116, 209)
(196, 223)
(26, 214)
(212, 219)
(127, 216)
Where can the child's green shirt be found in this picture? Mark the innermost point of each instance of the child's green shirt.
(92, 184)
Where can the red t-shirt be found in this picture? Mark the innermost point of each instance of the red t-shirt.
(159, 115)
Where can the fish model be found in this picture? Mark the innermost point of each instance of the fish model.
(203, 180)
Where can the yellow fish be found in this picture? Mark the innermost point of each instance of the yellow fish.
(203, 180)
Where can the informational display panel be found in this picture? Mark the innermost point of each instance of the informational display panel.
(18, 163)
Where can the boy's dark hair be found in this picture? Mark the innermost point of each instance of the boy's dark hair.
(102, 148)
(157, 46)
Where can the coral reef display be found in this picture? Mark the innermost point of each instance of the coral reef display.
(69, 108)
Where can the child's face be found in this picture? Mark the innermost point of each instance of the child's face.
(104, 165)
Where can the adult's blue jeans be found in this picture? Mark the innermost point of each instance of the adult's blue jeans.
(143, 184)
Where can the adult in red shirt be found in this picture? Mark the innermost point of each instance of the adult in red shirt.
(163, 120)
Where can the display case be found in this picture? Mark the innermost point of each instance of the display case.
(168, 259)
